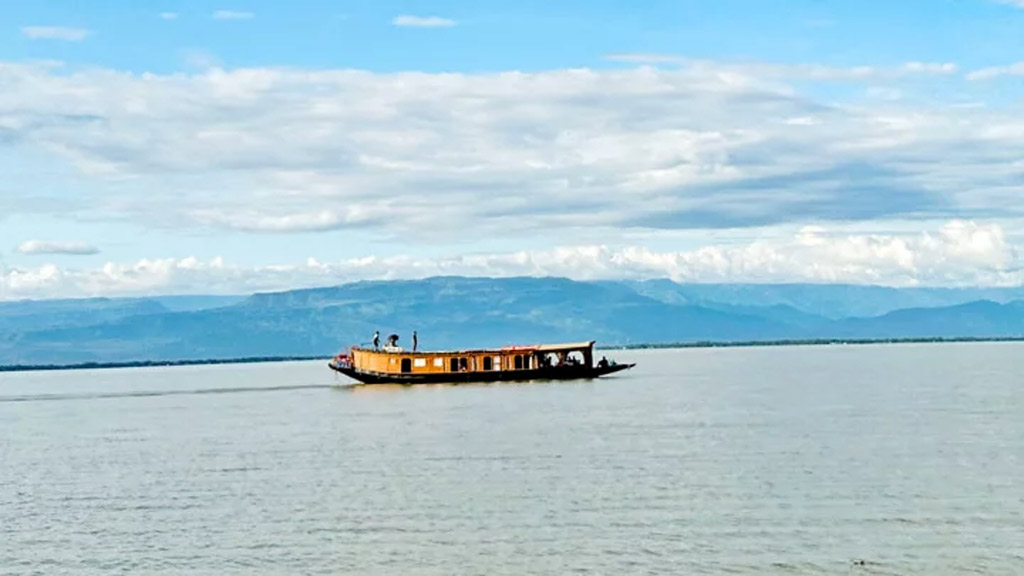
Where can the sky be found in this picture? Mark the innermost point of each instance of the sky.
(229, 147)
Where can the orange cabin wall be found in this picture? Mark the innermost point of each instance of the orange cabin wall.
(391, 362)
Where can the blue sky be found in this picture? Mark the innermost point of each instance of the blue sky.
(164, 146)
(524, 35)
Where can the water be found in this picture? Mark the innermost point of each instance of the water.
(824, 460)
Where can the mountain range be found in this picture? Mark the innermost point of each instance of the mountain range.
(461, 312)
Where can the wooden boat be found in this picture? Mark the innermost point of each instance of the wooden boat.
(511, 363)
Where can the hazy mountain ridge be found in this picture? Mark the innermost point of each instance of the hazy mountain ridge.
(834, 301)
(30, 315)
(466, 312)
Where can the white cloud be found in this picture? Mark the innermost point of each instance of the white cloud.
(409, 21)
(445, 157)
(1017, 3)
(169, 15)
(66, 248)
(232, 15)
(997, 71)
(791, 71)
(931, 67)
(958, 253)
(56, 33)
(251, 221)
(883, 93)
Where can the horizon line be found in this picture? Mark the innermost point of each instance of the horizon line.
(641, 346)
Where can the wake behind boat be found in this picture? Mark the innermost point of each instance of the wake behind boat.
(392, 364)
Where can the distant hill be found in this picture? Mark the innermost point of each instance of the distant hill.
(192, 303)
(826, 300)
(971, 320)
(466, 312)
(29, 315)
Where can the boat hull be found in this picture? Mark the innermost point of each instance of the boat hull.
(549, 373)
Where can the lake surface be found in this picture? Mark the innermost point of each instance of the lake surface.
(905, 459)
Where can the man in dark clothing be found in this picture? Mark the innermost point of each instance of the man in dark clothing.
(376, 339)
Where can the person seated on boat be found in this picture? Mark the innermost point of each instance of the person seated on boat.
(392, 344)
(602, 363)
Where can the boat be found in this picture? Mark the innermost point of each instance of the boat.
(393, 365)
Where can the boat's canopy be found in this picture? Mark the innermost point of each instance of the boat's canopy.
(543, 348)
(553, 347)
(565, 347)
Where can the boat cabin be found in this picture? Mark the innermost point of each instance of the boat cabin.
(392, 360)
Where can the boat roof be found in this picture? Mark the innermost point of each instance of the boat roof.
(553, 347)
(565, 347)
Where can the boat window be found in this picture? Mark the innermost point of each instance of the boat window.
(454, 365)
(463, 365)
(406, 365)
(497, 362)
(487, 362)
(419, 362)
(439, 362)
(519, 362)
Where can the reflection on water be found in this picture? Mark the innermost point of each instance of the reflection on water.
(827, 460)
(362, 388)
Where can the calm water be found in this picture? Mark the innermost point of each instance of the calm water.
(759, 461)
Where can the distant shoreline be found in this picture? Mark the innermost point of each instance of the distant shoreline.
(814, 342)
(154, 363)
(669, 345)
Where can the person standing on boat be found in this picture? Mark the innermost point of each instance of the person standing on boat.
(376, 339)
(415, 341)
